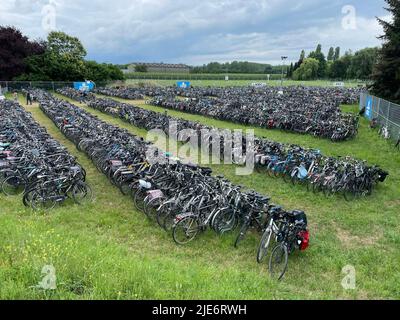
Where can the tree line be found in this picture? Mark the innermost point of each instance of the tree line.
(58, 58)
(358, 65)
(237, 67)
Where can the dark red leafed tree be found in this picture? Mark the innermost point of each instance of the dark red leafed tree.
(14, 48)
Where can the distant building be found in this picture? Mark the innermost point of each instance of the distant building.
(159, 67)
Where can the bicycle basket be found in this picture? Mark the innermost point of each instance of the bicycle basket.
(116, 163)
(155, 194)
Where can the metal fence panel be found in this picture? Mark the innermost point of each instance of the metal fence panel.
(387, 113)
(7, 86)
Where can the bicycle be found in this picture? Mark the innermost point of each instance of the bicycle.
(293, 234)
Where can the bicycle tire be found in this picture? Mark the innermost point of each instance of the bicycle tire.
(42, 202)
(150, 207)
(13, 186)
(225, 220)
(185, 223)
(138, 199)
(82, 193)
(264, 245)
(279, 255)
(242, 233)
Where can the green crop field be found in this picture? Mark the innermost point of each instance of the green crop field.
(107, 250)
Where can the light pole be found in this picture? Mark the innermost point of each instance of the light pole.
(283, 63)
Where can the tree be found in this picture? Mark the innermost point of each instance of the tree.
(302, 55)
(308, 70)
(331, 54)
(141, 68)
(102, 72)
(340, 67)
(337, 54)
(386, 75)
(301, 59)
(318, 55)
(290, 71)
(362, 64)
(63, 60)
(268, 69)
(235, 67)
(62, 44)
(14, 49)
(50, 66)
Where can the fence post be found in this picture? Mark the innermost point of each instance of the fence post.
(388, 114)
(52, 83)
(379, 106)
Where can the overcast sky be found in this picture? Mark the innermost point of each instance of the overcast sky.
(197, 32)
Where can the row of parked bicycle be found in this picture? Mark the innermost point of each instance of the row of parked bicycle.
(32, 163)
(310, 110)
(183, 198)
(342, 95)
(348, 176)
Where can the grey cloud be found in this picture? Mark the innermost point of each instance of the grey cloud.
(195, 32)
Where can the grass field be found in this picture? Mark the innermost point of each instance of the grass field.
(108, 250)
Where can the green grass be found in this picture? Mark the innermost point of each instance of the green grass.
(107, 250)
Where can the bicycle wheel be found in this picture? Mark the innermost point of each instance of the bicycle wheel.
(278, 261)
(125, 188)
(27, 198)
(328, 190)
(294, 179)
(42, 200)
(277, 172)
(82, 193)
(166, 211)
(169, 219)
(264, 244)
(270, 170)
(242, 233)
(185, 230)
(349, 195)
(316, 187)
(138, 199)
(150, 208)
(13, 186)
(225, 220)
